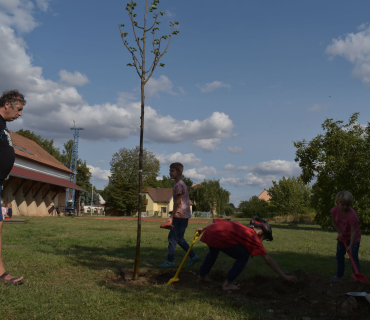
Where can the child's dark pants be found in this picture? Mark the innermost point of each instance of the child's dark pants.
(237, 252)
(341, 251)
(176, 236)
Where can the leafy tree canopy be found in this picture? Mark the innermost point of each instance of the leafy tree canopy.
(339, 160)
(210, 196)
(290, 196)
(255, 207)
(123, 183)
(167, 182)
(229, 210)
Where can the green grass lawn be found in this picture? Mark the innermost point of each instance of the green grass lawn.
(68, 262)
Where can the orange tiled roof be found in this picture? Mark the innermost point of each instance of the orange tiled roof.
(160, 194)
(38, 154)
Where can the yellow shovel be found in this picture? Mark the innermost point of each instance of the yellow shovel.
(176, 277)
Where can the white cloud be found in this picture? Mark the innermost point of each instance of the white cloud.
(167, 129)
(188, 159)
(262, 174)
(17, 14)
(163, 84)
(43, 4)
(170, 14)
(98, 173)
(249, 179)
(276, 167)
(200, 173)
(181, 89)
(207, 170)
(354, 47)
(235, 150)
(52, 106)
(318, 107)
(229, 167)
(73, 79)
(207, 144)
(362, 26)
(209, 87)
(236, 200)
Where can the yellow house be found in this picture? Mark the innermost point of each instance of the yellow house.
(159, 202)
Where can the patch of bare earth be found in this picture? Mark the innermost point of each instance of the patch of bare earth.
(313, 297)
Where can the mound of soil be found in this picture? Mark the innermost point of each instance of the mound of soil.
(313, 297)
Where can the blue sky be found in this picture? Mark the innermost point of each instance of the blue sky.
(243, 80)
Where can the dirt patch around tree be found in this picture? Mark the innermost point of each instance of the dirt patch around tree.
(313, 297)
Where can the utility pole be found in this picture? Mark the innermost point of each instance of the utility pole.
(73, 166)
(92, 195)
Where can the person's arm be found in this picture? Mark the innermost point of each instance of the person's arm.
(340, 234)
(353, 238)
(201, 229)
(273, 265)
(176, 206)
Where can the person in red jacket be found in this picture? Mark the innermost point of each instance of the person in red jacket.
(238, 242)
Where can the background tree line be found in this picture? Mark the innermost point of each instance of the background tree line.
(336, 160)
(121, 191)
(289, 196)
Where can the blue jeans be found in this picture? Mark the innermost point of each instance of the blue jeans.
(237, 252)
(341, 251)
(176, 236)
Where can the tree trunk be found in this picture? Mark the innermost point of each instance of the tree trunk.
(137, 257)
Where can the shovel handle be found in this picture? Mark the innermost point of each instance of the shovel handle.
(351, 258)
(176, 277)
(367, 297)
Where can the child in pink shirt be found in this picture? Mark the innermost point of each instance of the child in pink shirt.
(345, 221)
(179, 218)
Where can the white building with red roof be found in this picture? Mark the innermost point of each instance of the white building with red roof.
(37, 183)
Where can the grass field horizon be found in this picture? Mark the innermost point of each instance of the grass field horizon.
(68, 262)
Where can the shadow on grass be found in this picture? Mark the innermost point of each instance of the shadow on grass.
(99, 258)
(306, 227)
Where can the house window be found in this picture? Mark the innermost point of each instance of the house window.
(163, 209)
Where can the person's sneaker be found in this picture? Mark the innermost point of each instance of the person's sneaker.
(167, 264)
(335, 278)
(192, 260)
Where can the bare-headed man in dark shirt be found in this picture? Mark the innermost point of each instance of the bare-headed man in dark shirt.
(11, 107)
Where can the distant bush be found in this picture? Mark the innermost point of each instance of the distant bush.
(255, 207)
(197, 214)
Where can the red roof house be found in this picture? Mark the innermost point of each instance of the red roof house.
(37, 183)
